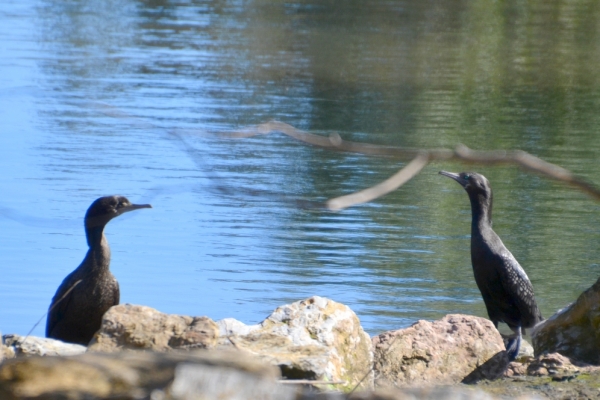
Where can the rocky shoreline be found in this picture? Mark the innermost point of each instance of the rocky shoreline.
(314, 348)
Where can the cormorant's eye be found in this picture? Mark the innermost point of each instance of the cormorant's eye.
(467, 176)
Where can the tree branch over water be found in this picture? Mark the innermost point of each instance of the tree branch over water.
(420, 159)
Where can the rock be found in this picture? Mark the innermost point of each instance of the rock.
(37, 346)
(129, 326)
(6, 353)
(516, 368)
(316, 339)
(131, 375)
(193, 381)
(549, 376)
(442, 352)
(431, 393)
(525, 352)
(178, 375)
(573, 331)
(233, 327)
(552, 364)
(519, 366)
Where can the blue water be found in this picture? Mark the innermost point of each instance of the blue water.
(117, 97)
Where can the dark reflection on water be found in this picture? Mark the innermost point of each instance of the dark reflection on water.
(233, 232)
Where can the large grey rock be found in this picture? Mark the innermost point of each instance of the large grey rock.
(177, 375)
(129, 326)
(441, 352)
(573, 331)
(316, 339)
(433, 393)
(37, 346)
(194, 381)
(199, 374)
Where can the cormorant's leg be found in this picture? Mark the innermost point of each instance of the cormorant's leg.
(514, 344)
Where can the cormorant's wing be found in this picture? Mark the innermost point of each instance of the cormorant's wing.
(61, 302)
(519, 288)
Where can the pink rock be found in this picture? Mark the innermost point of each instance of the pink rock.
(439, 352)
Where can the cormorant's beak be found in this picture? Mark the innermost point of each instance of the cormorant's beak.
(133, 207)
(455, 176)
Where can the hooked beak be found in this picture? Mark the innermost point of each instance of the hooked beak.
(133, 207)
(455, 176)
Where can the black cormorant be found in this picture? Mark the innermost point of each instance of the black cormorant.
(504, 285)
(83, 297)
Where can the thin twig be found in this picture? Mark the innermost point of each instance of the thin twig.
(363, 378)
(309, 382)
(50, 309)
(389, 346)
(232, 342)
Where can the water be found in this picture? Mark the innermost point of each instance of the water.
(114, 97)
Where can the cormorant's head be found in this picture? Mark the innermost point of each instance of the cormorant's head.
(473, 182)
(106, 208)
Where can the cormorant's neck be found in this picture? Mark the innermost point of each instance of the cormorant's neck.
(95, 236)
(98, 255)
(481, 207)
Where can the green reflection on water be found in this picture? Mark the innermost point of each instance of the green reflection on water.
(508, 74)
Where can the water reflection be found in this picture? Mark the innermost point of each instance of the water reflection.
(226, 236)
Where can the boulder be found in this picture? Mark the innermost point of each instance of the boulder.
(573, 331)
(525, 352)
(441, 352)
(37, 346)
(432, 393)
(316, 339)
(129, 326)
(179, 375)
(131, 375)
(6, 352)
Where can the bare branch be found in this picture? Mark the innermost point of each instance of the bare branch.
(383, 188)
(421, 157)
(527, 162)
(337, 143)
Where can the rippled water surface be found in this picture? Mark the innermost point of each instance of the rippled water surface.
(116, 97)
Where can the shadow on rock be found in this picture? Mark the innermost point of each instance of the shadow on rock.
(493, 368)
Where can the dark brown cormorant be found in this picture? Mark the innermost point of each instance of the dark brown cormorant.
(88, 292)
(504, 285)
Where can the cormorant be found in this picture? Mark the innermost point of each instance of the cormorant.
(83, 297)
(504, 285)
